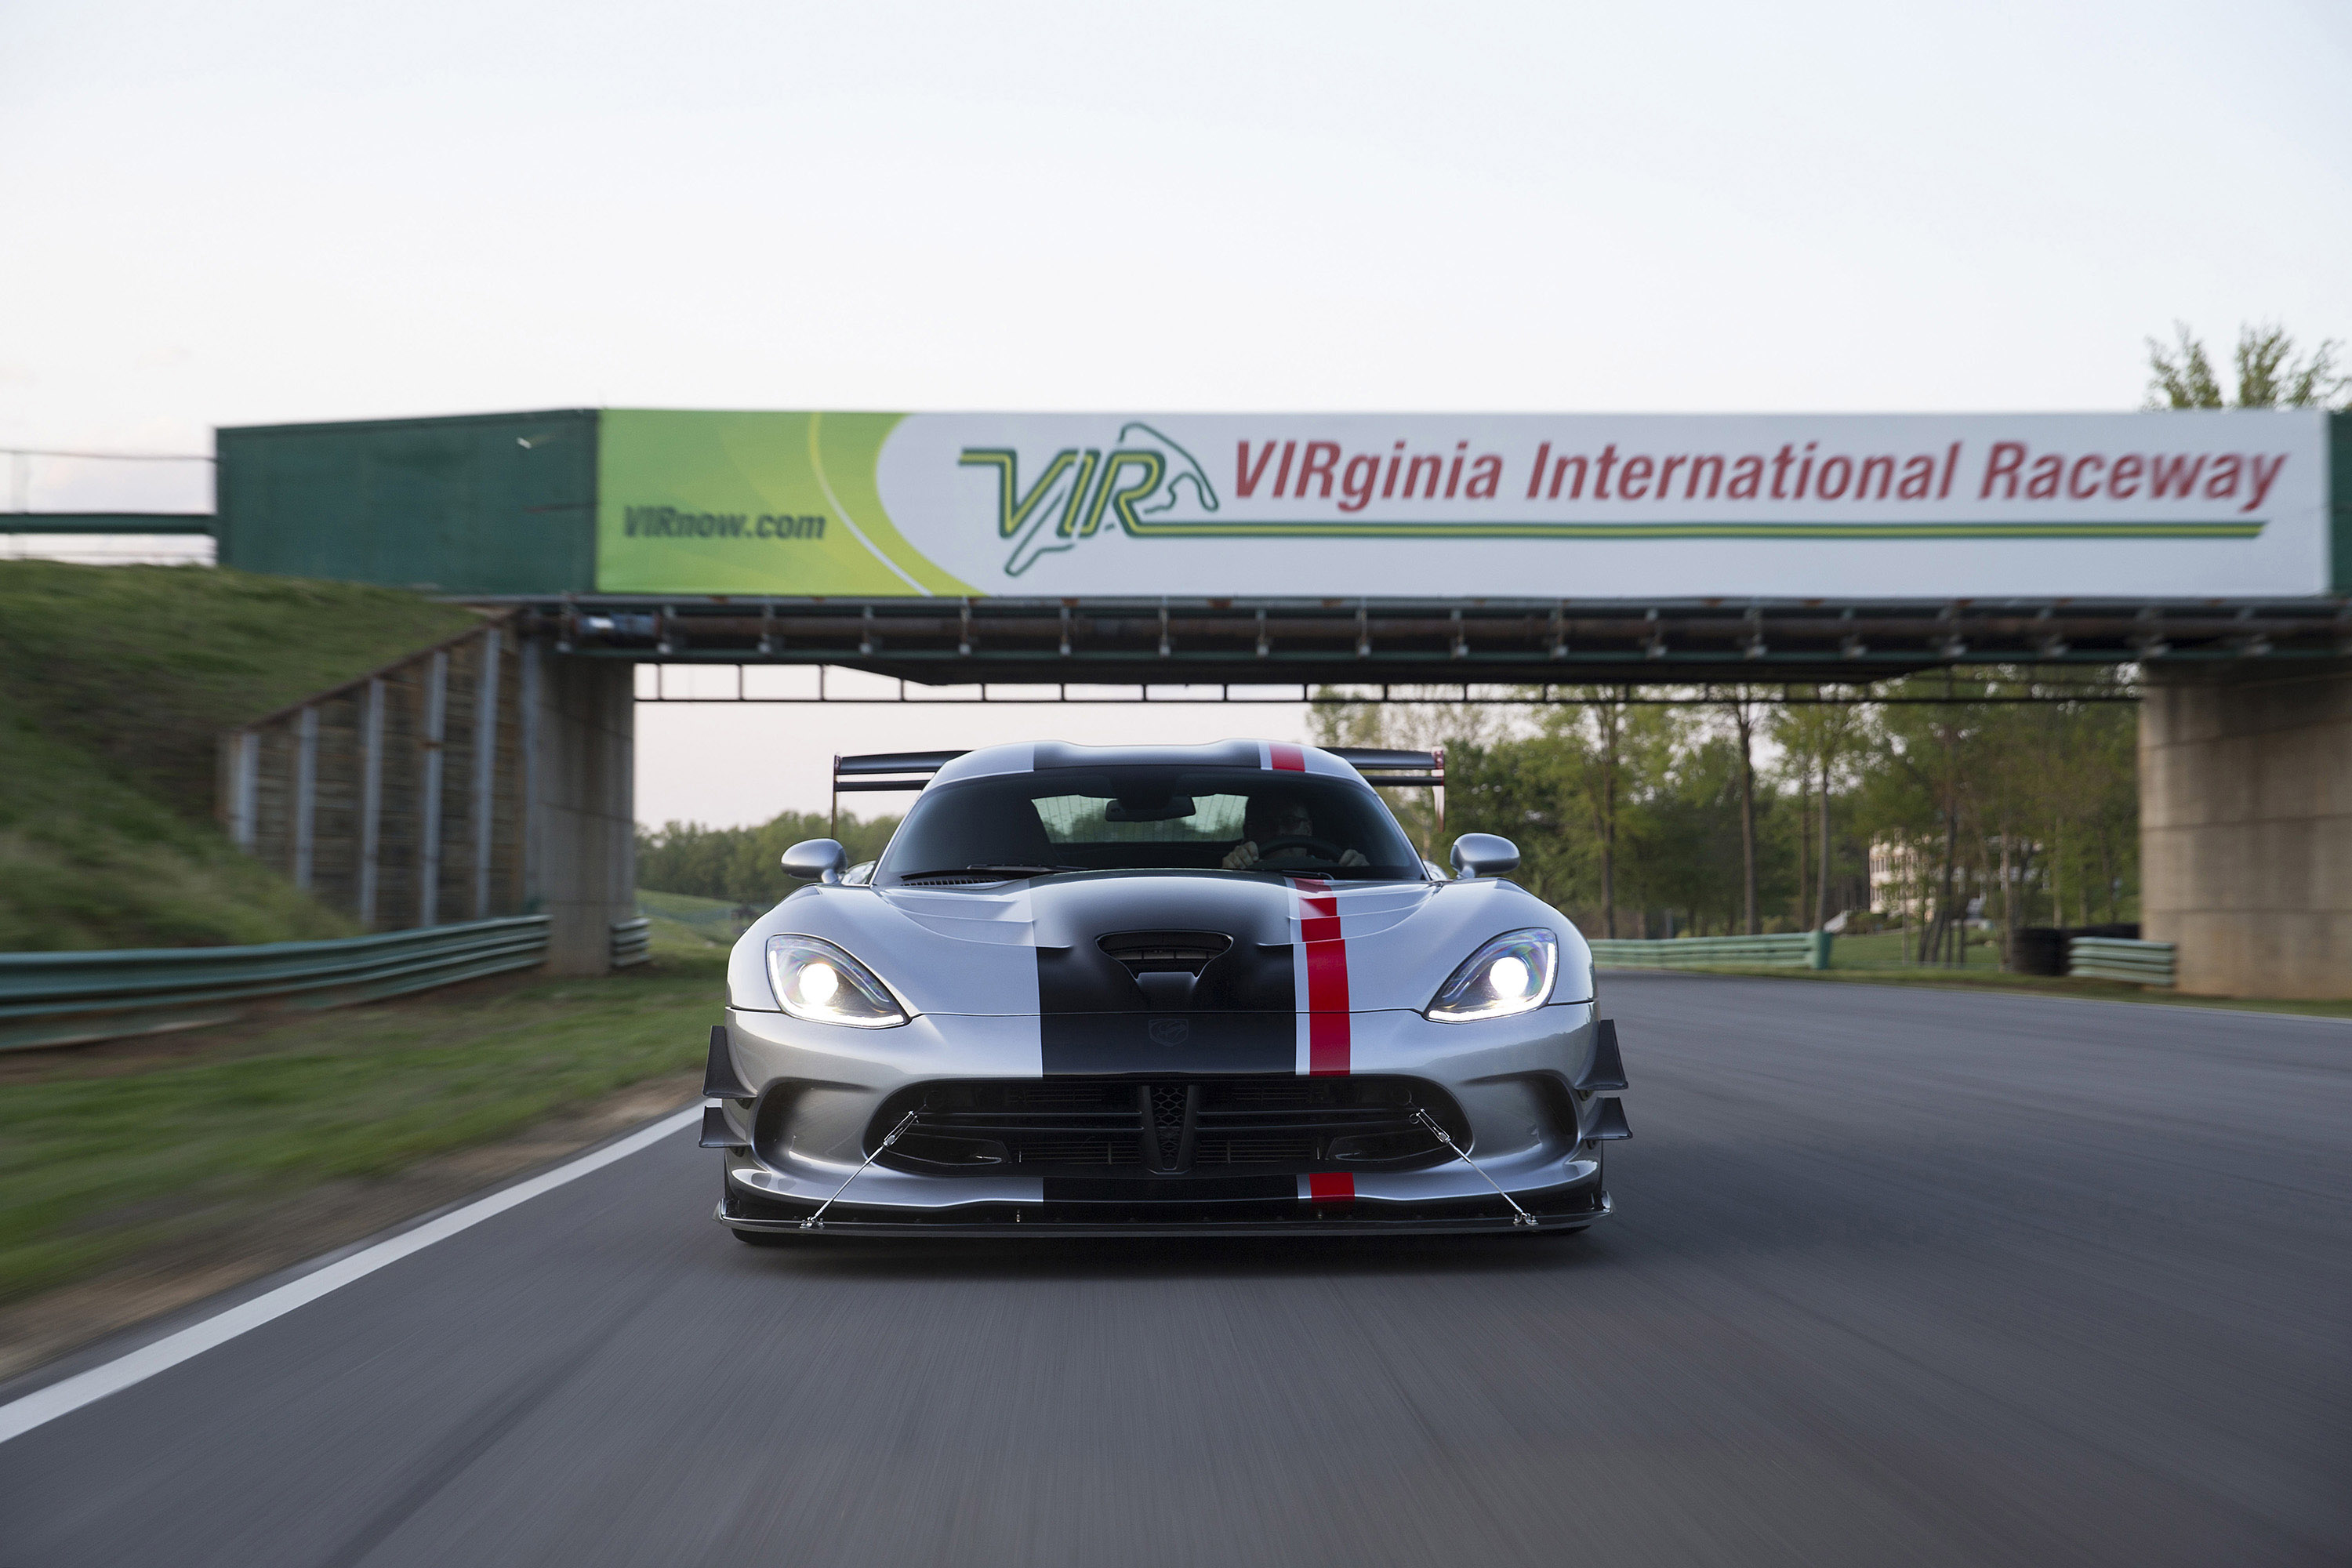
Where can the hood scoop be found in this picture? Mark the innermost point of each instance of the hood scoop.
(1165, 963)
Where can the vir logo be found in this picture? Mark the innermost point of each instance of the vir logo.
(1140, 480)
(1170, 1031)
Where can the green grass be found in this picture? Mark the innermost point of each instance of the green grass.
(115, 685)
(689, 924)
(98, 1164)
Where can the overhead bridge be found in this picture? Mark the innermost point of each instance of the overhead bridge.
(1098, 641)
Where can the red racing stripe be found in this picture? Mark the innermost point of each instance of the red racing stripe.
(1330, 1186)
(1328, 1039)
(1289, 759)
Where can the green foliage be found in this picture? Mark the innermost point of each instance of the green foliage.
(743, 865)
(2269, 373)
(1627, 815)
(115, 684)
(2049, 788)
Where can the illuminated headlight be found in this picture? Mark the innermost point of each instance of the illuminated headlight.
(816, 981)
(1512, 973)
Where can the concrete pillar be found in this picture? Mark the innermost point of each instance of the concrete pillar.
(579, 831)
(2245, 789)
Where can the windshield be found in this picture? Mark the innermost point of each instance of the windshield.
(1243, 820)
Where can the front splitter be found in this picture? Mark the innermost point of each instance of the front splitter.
(1056, 1220)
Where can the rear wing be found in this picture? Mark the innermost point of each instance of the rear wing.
(888, 770)
(1395, 770)
(909, 770)
(905, 772)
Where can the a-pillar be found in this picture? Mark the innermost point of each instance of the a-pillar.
(580, 867)
(2245, 781)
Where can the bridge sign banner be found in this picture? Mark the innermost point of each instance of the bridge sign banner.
(2199, 504)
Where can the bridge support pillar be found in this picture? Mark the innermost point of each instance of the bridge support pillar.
(580, 783)
(2245, 779)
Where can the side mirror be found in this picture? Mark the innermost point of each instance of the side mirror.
(824, 860)
(1483, 855)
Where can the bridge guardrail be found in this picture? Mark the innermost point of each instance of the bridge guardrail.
(2116, 958)
(633, 942)
(71, 998)
(1791, 950)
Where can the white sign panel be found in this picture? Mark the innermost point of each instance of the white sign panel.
(1597, 506)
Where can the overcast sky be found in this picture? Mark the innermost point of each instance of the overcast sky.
(233, 213)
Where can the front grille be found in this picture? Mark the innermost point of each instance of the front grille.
(1100, 1150)
(1256, 1149)
(1170, 1103)
(1269, 1125)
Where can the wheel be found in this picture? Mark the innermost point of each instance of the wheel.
(765, 1238)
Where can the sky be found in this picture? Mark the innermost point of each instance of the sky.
(238, 213)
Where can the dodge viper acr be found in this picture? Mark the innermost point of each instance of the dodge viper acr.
(1094, 990)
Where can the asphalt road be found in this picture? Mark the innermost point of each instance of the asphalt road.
(1896, 1277)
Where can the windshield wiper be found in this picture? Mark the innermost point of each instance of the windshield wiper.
(989, 869)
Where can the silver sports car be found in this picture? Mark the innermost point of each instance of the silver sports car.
(1096, 990)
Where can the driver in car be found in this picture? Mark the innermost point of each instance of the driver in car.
(1280, 823)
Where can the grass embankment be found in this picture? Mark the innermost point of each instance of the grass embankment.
(689, 922)
(115, 685)
(106, 1155)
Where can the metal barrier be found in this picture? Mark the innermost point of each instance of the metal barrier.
(2113, 958)
(1792, 950)
(633, 942)
(67, 998)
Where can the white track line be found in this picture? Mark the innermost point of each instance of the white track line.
(69, 1395)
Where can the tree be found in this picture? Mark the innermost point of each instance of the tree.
(742, 864)
(1815, 738)
(1611, 757)
(2269, 375)
(1740, 709)
(1417, 718)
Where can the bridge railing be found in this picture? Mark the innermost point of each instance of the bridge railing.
(2115, 958)
(1791, 950)
(69, 998)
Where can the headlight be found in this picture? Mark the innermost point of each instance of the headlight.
(1512, 973)
(816, 981)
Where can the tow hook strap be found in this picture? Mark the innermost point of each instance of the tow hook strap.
(816, 1221)
(1426, 1120)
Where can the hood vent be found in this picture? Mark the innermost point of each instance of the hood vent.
(1165, 963)
(1166, 952)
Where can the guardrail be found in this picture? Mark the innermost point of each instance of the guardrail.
(1791, 949)
(633, 942)
(68, 998)
(2114, 958)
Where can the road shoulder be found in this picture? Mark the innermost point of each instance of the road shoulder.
(36, 1332)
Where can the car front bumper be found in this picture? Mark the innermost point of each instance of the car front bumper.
(808, 1134)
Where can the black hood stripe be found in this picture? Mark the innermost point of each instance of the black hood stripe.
(1239, 1013)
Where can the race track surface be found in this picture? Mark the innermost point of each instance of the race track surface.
(1896, 1277)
